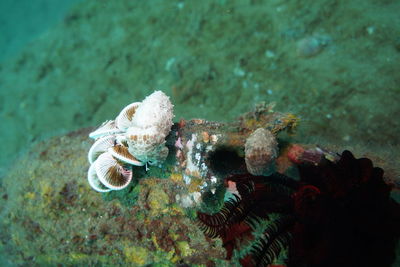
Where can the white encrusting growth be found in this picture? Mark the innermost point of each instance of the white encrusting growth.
(136, 137)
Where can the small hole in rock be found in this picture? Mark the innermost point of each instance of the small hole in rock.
(224, 161)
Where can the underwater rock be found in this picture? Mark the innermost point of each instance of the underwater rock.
(157, 200)
(60, 220)
(206, 152)
(261, 149)
(147, 214)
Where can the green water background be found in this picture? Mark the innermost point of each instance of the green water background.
(333, 63)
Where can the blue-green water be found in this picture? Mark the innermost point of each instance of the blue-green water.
(333, 64)
(23, 21)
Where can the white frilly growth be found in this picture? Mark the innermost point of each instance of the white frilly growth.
(94, 181)
(136, 137)
(156, 110)
(151, 125)
(100, 146)
(124, 119)
(110, 173)
(107, 128)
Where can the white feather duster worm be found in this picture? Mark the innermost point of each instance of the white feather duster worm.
(95, 182)
(110, 173)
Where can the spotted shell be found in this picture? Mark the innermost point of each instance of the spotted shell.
(261, 149)
(145, 144)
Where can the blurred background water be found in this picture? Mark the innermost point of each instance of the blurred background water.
(22, 21)
(71, 64)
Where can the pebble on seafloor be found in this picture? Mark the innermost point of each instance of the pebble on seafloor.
(311, 45)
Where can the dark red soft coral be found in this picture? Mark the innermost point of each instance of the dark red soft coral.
(338, 214)
(341, 178)
(345, 215)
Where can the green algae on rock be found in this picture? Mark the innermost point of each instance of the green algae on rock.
(51, 216)
(59, 220)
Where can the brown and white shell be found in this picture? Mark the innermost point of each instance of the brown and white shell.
(100, 146)
(124, 119)
(261, 150)
(94, 181)
(121, 153)
(146, 144)
(112, 174)
(107, 128)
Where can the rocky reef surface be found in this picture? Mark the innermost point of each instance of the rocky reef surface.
(50, 215)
